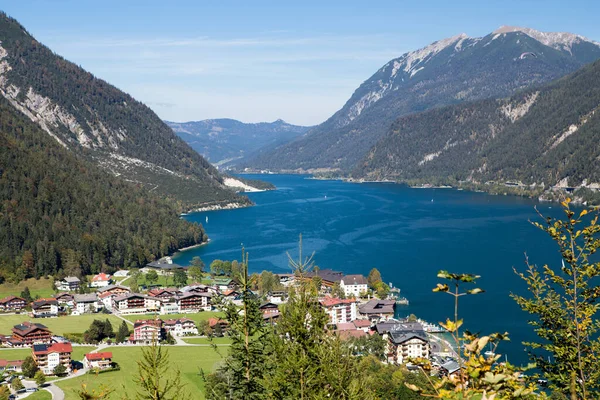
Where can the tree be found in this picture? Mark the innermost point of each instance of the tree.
(108, 329)
(564, 301)
(26, 294)
(381, 289)
(198, 263)
(151, 277)
(133, 280)
(4, 392)
(248, 354)
(104, 392)
(180, 278)
(156, 378)
(16, 384)
(203, 328)
(40, 378)
(122, 333)
(195, 273)
(267, 282)
(29, 367)
(374, 278)
(336, 291)
(60, 370)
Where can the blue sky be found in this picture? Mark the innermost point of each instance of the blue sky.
(263, 60)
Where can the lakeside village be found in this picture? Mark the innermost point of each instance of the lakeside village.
(357, 307)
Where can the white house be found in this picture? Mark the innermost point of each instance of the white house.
(70, 283)
(102, 360)
(85, 303)
(407, 342)
(339, 310)
(354, 285)
(101, 280)
(180, 327)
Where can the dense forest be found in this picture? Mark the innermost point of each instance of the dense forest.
(58, 211)
(451, 71)
(99, 121)
(541, 136)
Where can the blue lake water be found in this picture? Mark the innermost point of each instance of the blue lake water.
(408, 234)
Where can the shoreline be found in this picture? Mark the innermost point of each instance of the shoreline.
(217, 207)
(191, 247)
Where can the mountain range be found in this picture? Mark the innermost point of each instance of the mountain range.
(94, 119)
(227, 141)
(450, 71)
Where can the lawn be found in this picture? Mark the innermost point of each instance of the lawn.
(196, 317)
(187, 359)
(41, 395)
(37, 287)
(59, 325)
(215, 340)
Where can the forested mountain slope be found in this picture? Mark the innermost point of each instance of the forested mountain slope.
(93, 118)
(58, 211)
(450, 71)
(547, 136)
(226, 141)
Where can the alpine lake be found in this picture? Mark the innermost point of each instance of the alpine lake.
(409, 234)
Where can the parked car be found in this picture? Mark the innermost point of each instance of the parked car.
(29, 390)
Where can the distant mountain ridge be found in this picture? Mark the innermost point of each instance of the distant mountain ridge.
(226, 141)
(539, 140)
(449, 71)
(93, 118)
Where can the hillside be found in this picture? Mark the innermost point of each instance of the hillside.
(450, 71)
(536, 139)
(58, 211)
(225, 141)
(94, 119)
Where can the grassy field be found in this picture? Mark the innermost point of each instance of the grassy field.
(41, 395)
(187, 359)
(196, 317)
(38, 287)
(60, 325)
(216, 340)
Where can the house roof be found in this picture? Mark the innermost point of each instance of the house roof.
(28, 327)
(128, 296)
(52, 348)
(10, 298)
(346, 326)
(178, 321)
(327, 275)
(334, 301)
(214, 321)
(354, 280)
(394, 324)
(230, 292)
(72, 279)
(451, 366)
(85, 298)
(10, 363)
(193, 294)
(222, 281)
(101, 277)
(267, 305)
(348, 334)
(377, 306)
(159, 292)
(362, 323)
(63, 294)
(42, 302)
(106, 355)
(112, 287)
(159, 265)
(403, 332)
(144, 322)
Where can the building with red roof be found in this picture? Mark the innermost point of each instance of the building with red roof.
(102, 360)
(49, 356)
(101, 280)
(339, 310)
(148, 330)
(29, 333)
(12, 303)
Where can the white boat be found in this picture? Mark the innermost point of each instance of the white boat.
(207, 219)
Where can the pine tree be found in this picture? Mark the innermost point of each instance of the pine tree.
(157, 379)
(122, 333)
(40, 378)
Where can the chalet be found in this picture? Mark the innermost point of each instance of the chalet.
(115, 289)
(64, 299)
(101, 360)
(276, 297)
(29, 333)
(194, 302)
(450, 368)
(200, 289)
(11, 366)
(362, 324)
(213, 322)
(85, 303)
(224, 284)
(407, 341)
(148, 330)
(48, 357)
(378, 309)
(328, 276)
(180, 327)
(339, 310)
(70, 283)
(12, 303)
(135, 303)
(354, 285)
(101, 280)
(42, 308)
(269, 308)
(167, 293)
